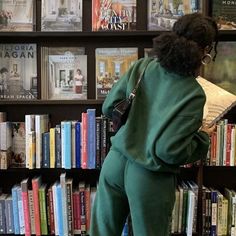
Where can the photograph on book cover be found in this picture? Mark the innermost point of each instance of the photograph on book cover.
(18, 144)
(61, 15)
(66, 76)
(113, 15)
(18, 71)
(225, 14)
(222, 71)
(111, 64)
(163, 14)
(17, 15)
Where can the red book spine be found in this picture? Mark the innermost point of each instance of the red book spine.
(87, 206)
(228, 144)
(25, 200)
(35, 187)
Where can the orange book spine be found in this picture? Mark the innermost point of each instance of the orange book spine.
(35, 187)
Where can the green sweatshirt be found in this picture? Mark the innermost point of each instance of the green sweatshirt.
(162, 130)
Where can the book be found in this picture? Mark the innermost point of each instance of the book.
(64, 72)
(61, 15)
(113, 15)
(222, 71)
(218, 101)
(18, 71)
(163, 14)
(111, 64)
(224, 14)
(17, 15)
(18, 144)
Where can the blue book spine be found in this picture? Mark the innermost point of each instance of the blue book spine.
(21, 212)
(213, 212)
(15, 210)
(66, 144)
(59, 210)
(91, 138)
(46, 149)
(78, 144)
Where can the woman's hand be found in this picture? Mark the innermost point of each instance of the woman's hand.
(209, 130)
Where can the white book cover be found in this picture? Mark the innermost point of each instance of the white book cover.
(17, 15)
(61, 15)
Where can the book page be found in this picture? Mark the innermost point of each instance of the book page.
(218, 101)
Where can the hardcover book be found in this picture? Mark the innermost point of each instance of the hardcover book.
(163, 14)
(64, 72)
(18, 71)
(111, 64)
(17, 15)
(218, 101)
(61, 15)
(113, 15)
(224, 14)
(18, 144)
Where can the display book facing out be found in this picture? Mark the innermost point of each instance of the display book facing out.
(40, 109)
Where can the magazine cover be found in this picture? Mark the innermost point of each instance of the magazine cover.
(18, 144)
(163, 14)
(18, 71)
(111, 64)
(225, 14)
(66, 76)
(113, 15)
(17, 15)
(222, 72)
(61, 15)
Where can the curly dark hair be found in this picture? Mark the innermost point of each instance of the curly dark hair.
(181, 50)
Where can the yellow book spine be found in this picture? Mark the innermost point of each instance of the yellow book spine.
(52, 148)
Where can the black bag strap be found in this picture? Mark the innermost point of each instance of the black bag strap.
(133, 93)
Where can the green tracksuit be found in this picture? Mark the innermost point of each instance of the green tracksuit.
(161, 133)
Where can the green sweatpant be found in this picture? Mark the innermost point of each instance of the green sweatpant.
(124, 187)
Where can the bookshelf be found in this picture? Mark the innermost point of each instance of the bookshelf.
(59, 110)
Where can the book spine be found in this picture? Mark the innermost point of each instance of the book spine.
(15, 210)
(98, 142)
(9, 216)
(2, 217)
(78, 144)
(73, 145)
(35, 188)
(31, 211)
(58, 146)
(213, 212)
(46, 149)
(43, 214)
(59, 210)
(64, 203)
(84, 150)
(21, 211)
(91, 113)
(51, 211)
(52, 150)
(82, 208)
(25, 201)
(69, 208)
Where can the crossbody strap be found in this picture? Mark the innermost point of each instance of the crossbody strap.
(133, 93)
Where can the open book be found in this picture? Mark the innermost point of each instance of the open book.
(218, 101)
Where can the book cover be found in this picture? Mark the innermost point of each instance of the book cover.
(18, 144)
(113, 15)
(18, 71)
(224, 14)
(17, 15)
(218, 101)
(61, 15)
(222, 71)
(66, 76)
(111, 64)
(163, 14)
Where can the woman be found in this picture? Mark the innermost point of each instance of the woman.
(163, 131)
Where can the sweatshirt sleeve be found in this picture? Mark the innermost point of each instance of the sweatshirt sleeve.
(182, 142)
